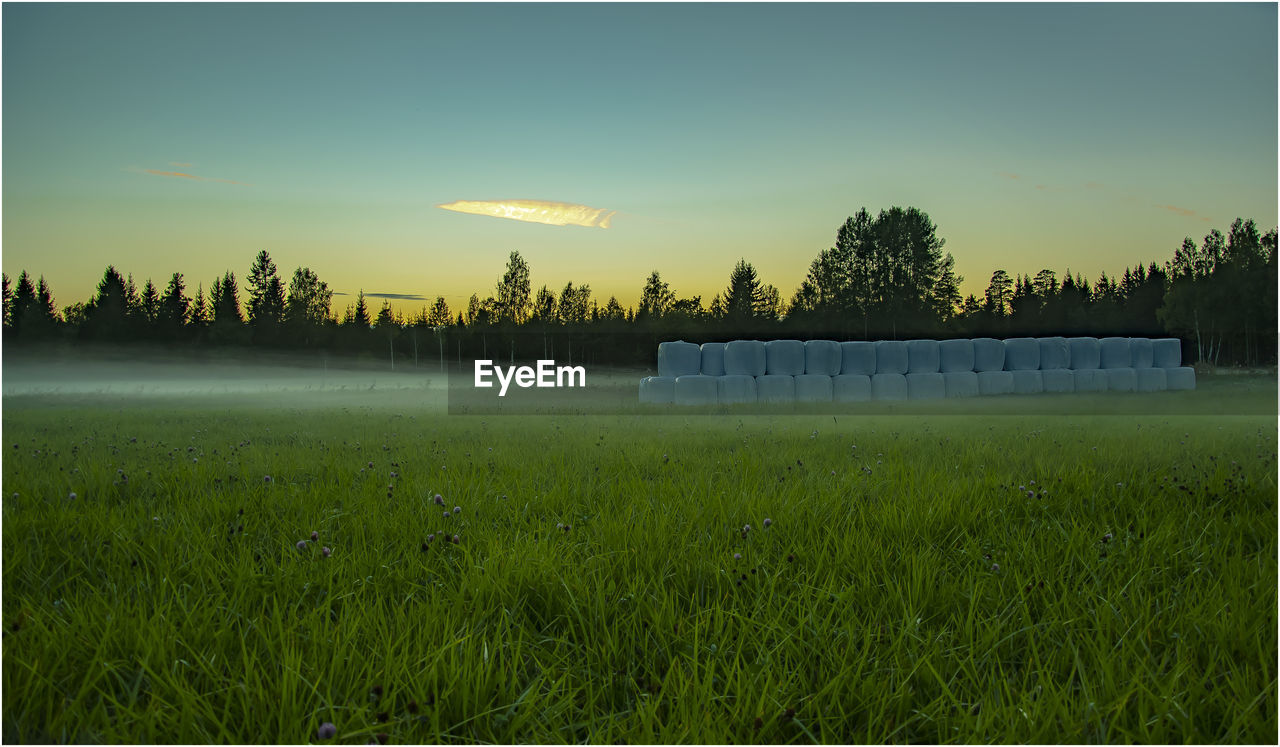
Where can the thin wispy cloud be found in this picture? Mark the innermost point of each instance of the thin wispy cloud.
(1185, 212)
(397, 296)
(187, 175)
(1008, 175)
(536, 211)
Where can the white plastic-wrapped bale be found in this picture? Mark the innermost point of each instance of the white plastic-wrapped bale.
(1090, 380)
(955, 356)
(1121, 379)
(926, 386)
(1114, 353)
(712, 359)
(744, 358)
(736, 389)
(1027, 382)
(697, 390)
(1166, 352)
(891, 357)
(1058, 380)
(923, 356)
(1021, 354)
(889, 386)
(851, 388)
(1141, 351)
(822, 357)
(1181, 378)
(961, 383)
(657, 390)
(988, 354)
(679, 359)
(1151, 379)
(784, 357)
(775, 389)
(1086, 353)
(813, 388)
(995, 382)
(858, 358)
(1055, 353)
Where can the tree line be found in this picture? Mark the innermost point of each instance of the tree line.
(885, 277)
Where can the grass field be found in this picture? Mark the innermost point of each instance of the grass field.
(919, 577)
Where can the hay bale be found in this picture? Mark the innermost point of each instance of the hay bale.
(956, 356)
(858, 358)
(736, 389)
(1085, 352)
(1090, 380)
(712, 359)
(889, 386)
(1151, 380)
(891, 357)
(784, 357)
(1058, 380)
(961, 383)
(813, 388)
(1121, 379)
(822, 357)
(926, 386)
(657, 390)
(1027, 382)
(744, 358)
(923, 356)
(678, 359)
(995, 382)
(775, 388)
(851, 388)
(697, 390)
(1055, 353)
(1180, 378)
(1021, 354)
(1166, 352)
(1115, 353)
(988, 354)
(1142, 352)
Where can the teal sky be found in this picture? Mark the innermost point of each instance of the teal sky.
(1082, 136)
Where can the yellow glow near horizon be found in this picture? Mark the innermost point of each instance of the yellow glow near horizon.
(536, 211)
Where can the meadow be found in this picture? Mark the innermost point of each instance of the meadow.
(889, 577)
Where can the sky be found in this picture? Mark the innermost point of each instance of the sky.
(162, 138)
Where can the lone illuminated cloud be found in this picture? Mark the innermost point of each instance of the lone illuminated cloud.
(536, 211)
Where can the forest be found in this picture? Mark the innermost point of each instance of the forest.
(885, 277)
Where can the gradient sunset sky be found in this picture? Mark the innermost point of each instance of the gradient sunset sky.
(164, 138)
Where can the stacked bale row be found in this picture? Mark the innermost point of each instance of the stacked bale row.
(781, 371)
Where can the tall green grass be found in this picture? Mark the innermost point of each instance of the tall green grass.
(924, 578)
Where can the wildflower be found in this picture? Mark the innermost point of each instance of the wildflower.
(72, 496)
(327, 731)
(370, 465)
(439, 499)
(737, 556)
(457, 509)
(791, 558)
(768, 523)
(266, 478)
(431, 538)
(315, 536)
(326, 551)
(302, 545)
(746, 528)
(394, 475)
(456, 539)
(995, 567)
(1106, 537)
(447, 514)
